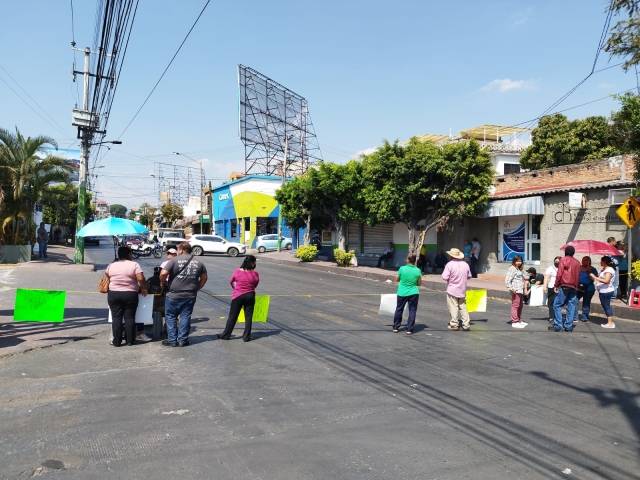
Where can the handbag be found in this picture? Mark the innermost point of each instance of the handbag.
(582, 287)
(103, 285)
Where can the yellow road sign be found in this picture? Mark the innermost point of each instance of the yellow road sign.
(629, 212)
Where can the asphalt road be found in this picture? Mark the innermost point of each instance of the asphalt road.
(327, 391)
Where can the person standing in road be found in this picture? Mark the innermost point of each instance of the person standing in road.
(516, 285)
(243, 282)
(387, 254)
(125, 280)
(605, 281)
(43, 241)
(566, 288)
(548, 286)
(586, 289)
(456, 273)
(409, 278)
(187, 276)
(475, 256)
(623, 271)
(612, 241)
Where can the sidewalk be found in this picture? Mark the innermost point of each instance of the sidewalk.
(85, 314)
(495, 289)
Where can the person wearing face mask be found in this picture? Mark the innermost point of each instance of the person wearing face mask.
(549, 283)
(586, 289)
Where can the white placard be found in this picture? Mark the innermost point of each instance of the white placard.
(388, 304)
(144, 313)
(577, 200)
(538, 298)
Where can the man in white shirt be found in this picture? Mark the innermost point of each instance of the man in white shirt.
(475, 256)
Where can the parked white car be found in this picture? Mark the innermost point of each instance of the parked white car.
(201, 244)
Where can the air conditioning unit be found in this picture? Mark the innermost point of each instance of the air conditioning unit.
(619, 195)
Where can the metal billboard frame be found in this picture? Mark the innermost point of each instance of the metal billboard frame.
(272, 120)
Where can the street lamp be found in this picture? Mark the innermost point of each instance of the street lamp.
(201, 185)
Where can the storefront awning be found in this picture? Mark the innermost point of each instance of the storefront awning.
(515, 206)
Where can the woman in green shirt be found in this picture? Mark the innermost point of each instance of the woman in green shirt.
(409, 278)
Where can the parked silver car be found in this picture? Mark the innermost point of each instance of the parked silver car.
(270, 242)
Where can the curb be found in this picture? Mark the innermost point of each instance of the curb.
(622, 312)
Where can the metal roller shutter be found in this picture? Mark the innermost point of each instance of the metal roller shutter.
(376, 238)
(353, 236)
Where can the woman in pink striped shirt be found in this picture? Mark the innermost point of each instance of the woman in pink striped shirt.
(244, 282)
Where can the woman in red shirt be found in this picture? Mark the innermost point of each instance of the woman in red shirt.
(244, 282)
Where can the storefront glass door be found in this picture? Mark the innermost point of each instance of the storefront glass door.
(512, 235)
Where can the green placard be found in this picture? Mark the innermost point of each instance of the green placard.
(39, 305)
(260, 311)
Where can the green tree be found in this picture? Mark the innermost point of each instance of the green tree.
(117, 210)
(558, 141)
(144, 220)
(422, 182)
(299, 206)
(131, 215)
(624, 38)
(26, 178)
(171, 212)
(335, 191)
(626, 127)
(62, 209)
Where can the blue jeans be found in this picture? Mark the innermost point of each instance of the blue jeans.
(174, 307)
(413, 308)
(43, 249)
(586, 304)
(565, 296)
(605, 301)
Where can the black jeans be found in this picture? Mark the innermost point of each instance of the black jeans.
(123, 304)
(248, 301)
(551, 297)
(384, 256)
(472, 266)
(623, 283)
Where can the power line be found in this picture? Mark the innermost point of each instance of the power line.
(34, 110)
(165, 70)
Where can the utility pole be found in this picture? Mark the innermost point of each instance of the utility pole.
(85, 143)
(284, 173)
(88, 124)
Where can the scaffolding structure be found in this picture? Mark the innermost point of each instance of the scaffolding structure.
(177, 183)
(273, 119)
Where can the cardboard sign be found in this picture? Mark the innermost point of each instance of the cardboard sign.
(537, 297)
(39, 305)
(476, 301)
(260, 310)
(144, 313)
(388, 304)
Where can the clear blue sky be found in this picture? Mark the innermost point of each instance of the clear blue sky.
(370, 70)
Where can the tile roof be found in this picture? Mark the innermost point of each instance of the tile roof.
(569, 187)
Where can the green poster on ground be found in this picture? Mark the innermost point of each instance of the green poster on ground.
(39, 305)
(260, 311)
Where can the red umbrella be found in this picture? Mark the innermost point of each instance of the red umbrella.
(592, 247)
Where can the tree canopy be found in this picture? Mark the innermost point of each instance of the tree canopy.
(62, 207)
(558, 141)
(171, 212)
(117, 210)
(422, 182)
(27, 173)
(624, 38)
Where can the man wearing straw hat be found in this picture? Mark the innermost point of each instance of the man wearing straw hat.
(456, 273)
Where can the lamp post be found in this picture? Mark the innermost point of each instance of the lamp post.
(284, 174)
(201, 185)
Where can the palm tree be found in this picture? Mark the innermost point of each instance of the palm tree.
(26, 177)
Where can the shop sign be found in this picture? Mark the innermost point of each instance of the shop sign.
(512, 241)
(629, 212)
(223, 196)
(598, 215)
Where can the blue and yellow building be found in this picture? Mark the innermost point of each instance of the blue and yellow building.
(246, 208)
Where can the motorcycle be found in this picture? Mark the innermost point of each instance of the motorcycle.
(146, 250)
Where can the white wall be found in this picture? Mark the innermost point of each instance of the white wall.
(260, 185)
(401, 235)
(500, 160)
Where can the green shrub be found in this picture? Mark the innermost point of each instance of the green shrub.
(343, 258)
(635, 270)
(307, 254)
